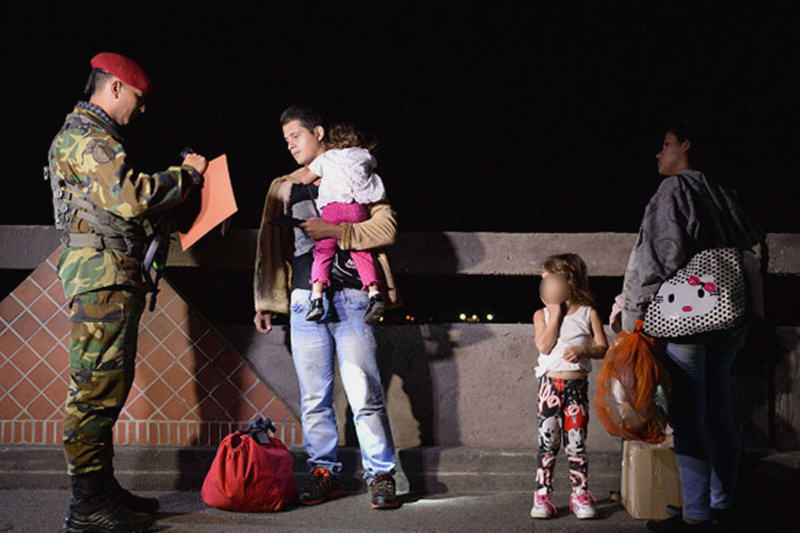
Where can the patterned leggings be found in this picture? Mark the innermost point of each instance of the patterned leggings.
(563, 414)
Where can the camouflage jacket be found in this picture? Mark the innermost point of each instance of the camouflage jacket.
(90, 157)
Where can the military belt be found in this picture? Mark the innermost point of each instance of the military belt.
(100, 242)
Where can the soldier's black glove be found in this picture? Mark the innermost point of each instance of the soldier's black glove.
(197, 179)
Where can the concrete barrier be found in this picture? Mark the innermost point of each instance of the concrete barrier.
(447, 252)
(446, 384)
(473, 384)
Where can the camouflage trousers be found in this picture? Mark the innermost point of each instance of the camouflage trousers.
(102, 352)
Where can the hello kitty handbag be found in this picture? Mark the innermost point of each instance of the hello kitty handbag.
(708, 294)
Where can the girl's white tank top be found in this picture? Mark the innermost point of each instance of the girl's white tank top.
(576, 330)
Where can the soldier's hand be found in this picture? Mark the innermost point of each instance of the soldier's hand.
(263, 322)
(197, 162)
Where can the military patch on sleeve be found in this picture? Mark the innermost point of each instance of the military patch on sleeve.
(100, 151)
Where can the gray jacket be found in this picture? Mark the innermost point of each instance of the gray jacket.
(688, 213)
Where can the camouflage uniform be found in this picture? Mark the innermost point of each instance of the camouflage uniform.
(100, 270)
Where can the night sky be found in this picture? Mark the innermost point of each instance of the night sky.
(489, 118)
(502, 117)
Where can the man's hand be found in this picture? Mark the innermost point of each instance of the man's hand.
(573, 353)
(197, 162)
(318, 229)
(263, 322)
(304, 175)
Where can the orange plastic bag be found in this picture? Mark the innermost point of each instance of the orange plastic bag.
(632, 388)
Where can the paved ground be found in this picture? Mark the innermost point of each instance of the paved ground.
(766, 501)
(42, 511)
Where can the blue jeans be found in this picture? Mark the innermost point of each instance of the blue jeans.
(342, 329)
(706, 442)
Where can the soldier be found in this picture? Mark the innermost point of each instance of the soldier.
(101, 204)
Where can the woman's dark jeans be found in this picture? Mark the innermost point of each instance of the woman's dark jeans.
(706, 442)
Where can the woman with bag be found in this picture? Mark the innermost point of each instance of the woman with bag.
(685, 280)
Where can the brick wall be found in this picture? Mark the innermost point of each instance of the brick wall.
(191, 387)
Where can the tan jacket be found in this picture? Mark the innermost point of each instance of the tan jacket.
(273, 272)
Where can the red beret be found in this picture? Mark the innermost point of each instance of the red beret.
(123, 68)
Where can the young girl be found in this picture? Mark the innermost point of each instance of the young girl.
(349, 184)
(569, 333)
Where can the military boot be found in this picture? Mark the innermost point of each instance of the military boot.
(131, 501)
(93, 509)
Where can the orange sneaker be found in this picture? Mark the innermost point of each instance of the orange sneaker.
(322, 486)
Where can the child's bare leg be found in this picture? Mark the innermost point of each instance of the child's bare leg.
(372, 288)
(316, 289)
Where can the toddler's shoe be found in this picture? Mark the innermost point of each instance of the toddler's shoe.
(375, 309)
(315, 310)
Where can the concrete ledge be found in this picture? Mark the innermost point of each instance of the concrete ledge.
(507, 254)
(424, 470)
(429, 470)
(25, 247)
(477, 253)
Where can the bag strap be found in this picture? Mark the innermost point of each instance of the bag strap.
(260, 430)
(313, 199)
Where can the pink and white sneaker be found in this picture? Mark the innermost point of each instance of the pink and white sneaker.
(582, 504)
(543, 507)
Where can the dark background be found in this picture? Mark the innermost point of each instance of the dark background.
(490, 118)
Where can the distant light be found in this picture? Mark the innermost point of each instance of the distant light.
(490, 317)
(474, 317)
(462, 316)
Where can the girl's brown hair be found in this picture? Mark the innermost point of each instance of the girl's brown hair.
(574, 271)
(342, 135)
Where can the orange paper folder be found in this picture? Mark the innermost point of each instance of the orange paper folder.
(216, 202)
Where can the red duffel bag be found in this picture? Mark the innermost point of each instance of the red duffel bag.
(251, 472)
